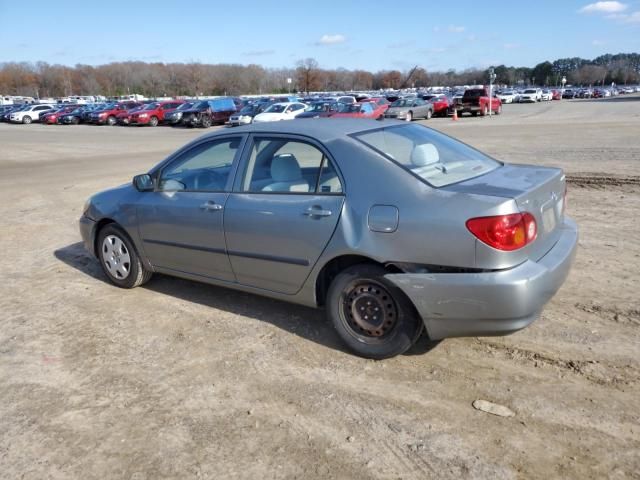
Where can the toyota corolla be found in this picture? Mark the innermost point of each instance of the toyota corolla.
(392, 228)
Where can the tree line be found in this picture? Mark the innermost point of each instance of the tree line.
(41, 79)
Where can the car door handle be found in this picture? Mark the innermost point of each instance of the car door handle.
(317, 212)
(211, 206)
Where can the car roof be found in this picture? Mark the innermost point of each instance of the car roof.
(322, 129)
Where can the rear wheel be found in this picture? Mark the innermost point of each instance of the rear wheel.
(484, 111)
(153, 121)
(26, 120)
(371, 315)
(409, 116)
(119, 259)
(499, 110)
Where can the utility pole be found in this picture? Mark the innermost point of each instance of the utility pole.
(492, 77)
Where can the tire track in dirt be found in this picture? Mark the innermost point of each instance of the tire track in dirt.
(586, 180)
(600, 373)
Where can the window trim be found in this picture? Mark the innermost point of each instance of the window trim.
(243, 164)
(157, 173)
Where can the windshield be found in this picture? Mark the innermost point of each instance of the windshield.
(403, 102)
(185, 106)
(204, 104)
(151, 106)
(435, 158)
(248, 110)
(320, 107)
(276, 108)
(349, 108)
(529, 91)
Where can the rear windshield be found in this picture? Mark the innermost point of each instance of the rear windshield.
(435, 158)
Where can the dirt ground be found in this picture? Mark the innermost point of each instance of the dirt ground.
(183, 380)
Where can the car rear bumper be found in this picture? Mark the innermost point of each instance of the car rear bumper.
(489, 303)
(87, 231)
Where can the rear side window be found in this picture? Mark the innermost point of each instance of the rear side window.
(280, 165)
(435, 158)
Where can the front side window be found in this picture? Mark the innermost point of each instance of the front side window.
(437, 159)
(205, 167)
(289, 166)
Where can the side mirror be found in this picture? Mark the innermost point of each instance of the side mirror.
(143, 183)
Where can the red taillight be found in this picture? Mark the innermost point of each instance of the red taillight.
(505, 232)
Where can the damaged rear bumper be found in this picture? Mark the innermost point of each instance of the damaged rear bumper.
(489, 303)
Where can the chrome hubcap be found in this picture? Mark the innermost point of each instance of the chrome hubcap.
(369, 309)
(116, 258)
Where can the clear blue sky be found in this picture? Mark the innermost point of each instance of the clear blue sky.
(351, 34)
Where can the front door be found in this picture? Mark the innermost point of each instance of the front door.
(181, 222)
(282, 213)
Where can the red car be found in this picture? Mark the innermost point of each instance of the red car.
(108, 114)
(380, 101)
(52, 118)
(556, 95)
(153, 113)
(124, 117)
(363, 109)
(441, 103)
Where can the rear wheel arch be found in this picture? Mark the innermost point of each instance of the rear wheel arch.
(336, 265)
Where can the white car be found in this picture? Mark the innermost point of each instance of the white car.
(280, 111)
(546, 96)
(29, 114)
(531, 95)
(507, 96)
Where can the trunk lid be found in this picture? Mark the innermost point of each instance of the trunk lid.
(537, 190)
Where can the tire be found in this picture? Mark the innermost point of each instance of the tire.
(499, 110)
(206, 122)
(119, 259)
(111, 121)
(409, 117)
(429, 115)
(363, 287)
(153, 121)
(26, 120)
(475, 114)
(75, 121)
(484, 111)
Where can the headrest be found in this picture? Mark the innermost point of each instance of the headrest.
(424, 154)
(285, 168)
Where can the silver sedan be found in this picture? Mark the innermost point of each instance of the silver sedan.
(392, 228)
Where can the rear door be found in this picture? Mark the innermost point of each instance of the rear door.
(282, 213)
(181, 222)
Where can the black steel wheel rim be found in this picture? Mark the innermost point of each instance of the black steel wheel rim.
(369, 309)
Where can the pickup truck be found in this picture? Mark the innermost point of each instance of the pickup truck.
(476, 101)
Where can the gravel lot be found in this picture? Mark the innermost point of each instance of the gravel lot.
(182, 380)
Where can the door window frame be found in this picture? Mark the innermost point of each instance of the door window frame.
(243, 164)
(156, 173)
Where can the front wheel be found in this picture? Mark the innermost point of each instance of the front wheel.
(26, 120)
(429, 115)
(206, 122)
(153, 121)
(409, 116)
(371, 315)
(119, 259)
(111, 121)
(499, 110)
(484, 111)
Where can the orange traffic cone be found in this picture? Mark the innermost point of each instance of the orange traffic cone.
(455, 115)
